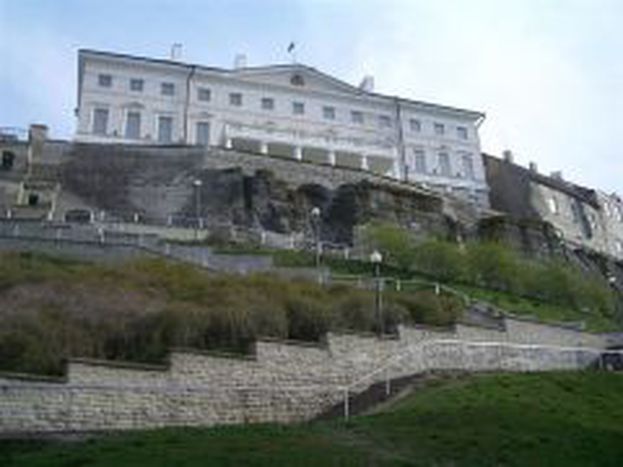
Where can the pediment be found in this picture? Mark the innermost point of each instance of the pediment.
(297, 77)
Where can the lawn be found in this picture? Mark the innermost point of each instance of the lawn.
(552, 419)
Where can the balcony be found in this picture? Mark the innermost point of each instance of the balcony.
(377, 155)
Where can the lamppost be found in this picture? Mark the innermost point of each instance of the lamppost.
(612, 282)
(376, 258)
(315, 217)
(197, 187)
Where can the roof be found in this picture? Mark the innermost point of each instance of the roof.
(476, 115)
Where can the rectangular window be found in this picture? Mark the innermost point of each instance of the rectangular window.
(235, 99)
(204, 94)
(328, 113)
(104, 80)
(100, 121)
(468, 166)
(167, 89)
(576, 211)
(444, 164)
(553, 205)
(415, 125)
(136, 84)
(461, 132)
(356, 116)
(298, 108)
(268, 103)
(419, 161)
(203, 133)
(440, 129)
(385, 121)
(133, 125)
(165, 129)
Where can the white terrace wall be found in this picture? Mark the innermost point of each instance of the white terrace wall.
(281, 382)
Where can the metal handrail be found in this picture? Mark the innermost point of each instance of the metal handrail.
(420, 346)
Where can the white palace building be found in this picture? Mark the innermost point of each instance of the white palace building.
(284, 110)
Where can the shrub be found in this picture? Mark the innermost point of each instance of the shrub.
(393, 242)
(440, 259)
(494, 265)
(430, 308)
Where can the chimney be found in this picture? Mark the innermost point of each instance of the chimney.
(367, 83)
(556, 175)
(176, 51)
(240, 61)
(37, 134)
(508, 156)
(533, 167)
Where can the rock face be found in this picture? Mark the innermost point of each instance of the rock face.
(161, 185)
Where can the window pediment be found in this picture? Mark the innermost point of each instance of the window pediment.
(133, 105)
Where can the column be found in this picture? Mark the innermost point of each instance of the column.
(395, 169)
(331, 156)
(364, 162)
(263, 147)
(298, 153)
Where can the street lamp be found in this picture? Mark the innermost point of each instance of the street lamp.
(197, 187)
(315, 216)
(612, 281)
(376, 258)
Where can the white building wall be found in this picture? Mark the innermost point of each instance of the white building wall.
(612, 220)
(367, 145)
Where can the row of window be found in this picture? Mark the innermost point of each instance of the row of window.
(298, 108)
(613, 211)
(420, 164)
(132, 128)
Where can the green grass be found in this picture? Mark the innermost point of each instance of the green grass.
(507, 301)
(554, 419)
(53, 309)
(544, 311)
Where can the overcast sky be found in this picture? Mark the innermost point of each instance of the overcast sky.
(548, 73)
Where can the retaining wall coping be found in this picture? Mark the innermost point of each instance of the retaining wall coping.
(364, 334)
(33, 377)
(432, 328)
(501, 327)
(336, 168)
(213, 353)
(555, 324)
(292, 342)
(119, 364)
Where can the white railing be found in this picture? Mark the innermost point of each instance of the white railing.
(419, 351)
(305, 138)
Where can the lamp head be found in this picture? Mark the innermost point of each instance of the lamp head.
(376, 257)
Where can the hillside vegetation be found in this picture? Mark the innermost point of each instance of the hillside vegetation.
(499, 270)
(51, 309)
(555, 419)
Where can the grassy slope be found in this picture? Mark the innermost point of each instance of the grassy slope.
(562, 419)
(507, 301)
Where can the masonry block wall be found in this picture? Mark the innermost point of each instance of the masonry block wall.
(279, 382)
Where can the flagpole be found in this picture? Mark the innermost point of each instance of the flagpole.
(292, 52)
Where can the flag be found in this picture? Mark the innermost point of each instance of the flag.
(291, 47)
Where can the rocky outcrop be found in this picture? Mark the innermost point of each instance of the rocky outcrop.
(162, 185)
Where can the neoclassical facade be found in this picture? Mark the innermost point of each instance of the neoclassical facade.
(284, 110)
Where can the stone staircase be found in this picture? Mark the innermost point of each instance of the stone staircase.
(377, 395)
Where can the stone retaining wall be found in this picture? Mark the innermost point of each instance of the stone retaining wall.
(279, 382)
